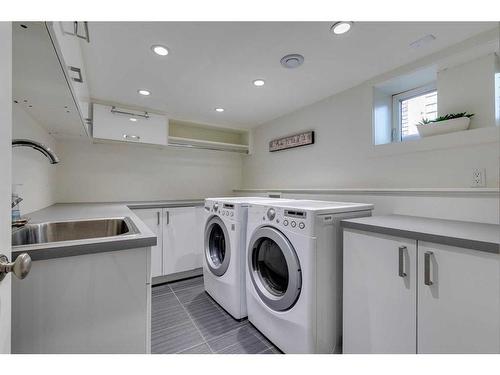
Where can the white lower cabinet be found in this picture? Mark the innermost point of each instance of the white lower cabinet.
(459, 301)
(407, 296)
(179, 233)
(153, 219)
(182, 239)
(380, 298)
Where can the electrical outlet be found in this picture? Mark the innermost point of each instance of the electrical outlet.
(478, 177)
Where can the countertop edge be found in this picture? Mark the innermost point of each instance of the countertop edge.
(86, 248)
(489, 247)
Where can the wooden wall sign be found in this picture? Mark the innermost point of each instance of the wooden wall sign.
(292, 141)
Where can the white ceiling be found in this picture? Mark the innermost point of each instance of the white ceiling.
(213, 64)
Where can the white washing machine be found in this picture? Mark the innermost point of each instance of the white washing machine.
(294, 272)
(225, 251)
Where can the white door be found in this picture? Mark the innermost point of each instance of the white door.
(153, 219)
(182, 240)
(458, 300)
(379, 295)
(5, 178)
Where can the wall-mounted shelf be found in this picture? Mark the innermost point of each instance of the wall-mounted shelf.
(193, 135)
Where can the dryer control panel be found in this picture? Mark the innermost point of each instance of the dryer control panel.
(295, 220)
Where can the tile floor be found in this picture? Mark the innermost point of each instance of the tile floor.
(185, 319)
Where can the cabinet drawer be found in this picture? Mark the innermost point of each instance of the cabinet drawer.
(119, 127)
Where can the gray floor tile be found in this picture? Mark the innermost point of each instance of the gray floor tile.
(186, 283)
(201, 307)
(198, 349)
(243, 334)
(193, 294)
(168, 318)
(185, 319)
(161, 289)
(247, 344)
(216, 324)
(175, 339)
(164, 301)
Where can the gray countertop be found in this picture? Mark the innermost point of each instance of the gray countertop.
(476, 236)
(77, 211)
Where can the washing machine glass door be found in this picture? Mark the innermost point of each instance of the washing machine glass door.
(274, 268)
(217, 247)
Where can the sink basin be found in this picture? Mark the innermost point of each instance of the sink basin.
(72, 230)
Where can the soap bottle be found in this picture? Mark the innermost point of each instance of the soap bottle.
(16, 210)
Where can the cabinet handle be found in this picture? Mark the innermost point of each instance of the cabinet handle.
(168, 217)
(85, 36)
(427, 268)
(401, 259)
(131, 137)
(78, 71)
(158, 217)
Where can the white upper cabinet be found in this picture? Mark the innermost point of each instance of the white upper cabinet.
(458, 300)
(110, 123)
(67, 39)
(379, 294)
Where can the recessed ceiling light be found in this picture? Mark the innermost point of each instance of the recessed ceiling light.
(219, 109)
(144, 92)
(291, 61)
(259, 82)
(160, 50)
(133, 119)
(341, 27)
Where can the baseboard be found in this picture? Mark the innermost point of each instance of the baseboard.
(177, 276)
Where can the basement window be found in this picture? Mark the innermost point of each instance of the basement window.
(409, 108)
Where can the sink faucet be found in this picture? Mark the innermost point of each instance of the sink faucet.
(53, 159)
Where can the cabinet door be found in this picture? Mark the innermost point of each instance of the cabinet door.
(70, 52)
(182, 239)
(458, 301)
(153, 218)
(379, 293)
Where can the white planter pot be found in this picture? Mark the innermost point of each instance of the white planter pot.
(443, 127)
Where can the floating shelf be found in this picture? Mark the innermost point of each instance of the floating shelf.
(188, 134)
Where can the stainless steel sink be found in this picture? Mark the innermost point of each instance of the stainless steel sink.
(72, 230)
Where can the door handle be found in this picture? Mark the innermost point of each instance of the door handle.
(401, 260)
(20, 267)
(78, 71)
(427, 268)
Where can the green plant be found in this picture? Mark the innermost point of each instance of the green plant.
(449, 116)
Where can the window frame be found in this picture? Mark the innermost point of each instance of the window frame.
(396, 130)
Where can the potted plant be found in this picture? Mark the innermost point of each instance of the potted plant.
(449, 123)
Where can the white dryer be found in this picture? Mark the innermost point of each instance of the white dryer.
(294, 272)
(225, 251)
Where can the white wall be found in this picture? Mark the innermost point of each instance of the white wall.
(29, 167)
(344, 157)
(125, 172)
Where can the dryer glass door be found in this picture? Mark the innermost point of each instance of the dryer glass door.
(217, 249)
(274, 268)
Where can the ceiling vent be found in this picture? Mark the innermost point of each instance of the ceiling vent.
(292, 61)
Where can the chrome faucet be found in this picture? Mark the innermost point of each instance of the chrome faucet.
(47, 152)
(37, 146)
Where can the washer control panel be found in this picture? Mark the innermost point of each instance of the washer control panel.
(222, 209)
(290, 219)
